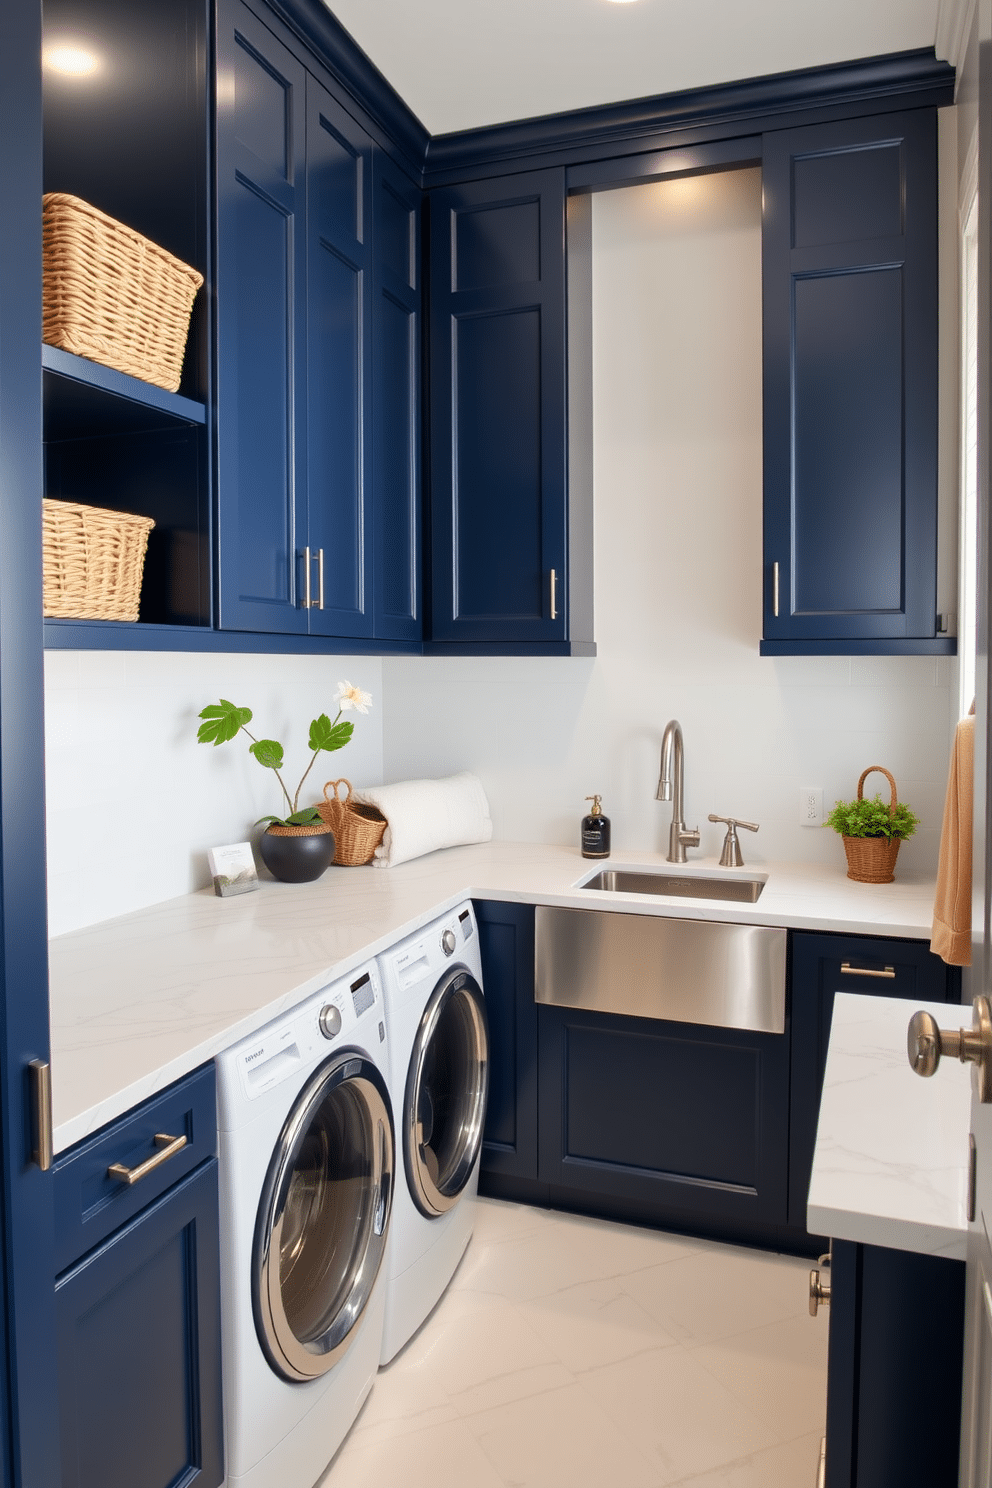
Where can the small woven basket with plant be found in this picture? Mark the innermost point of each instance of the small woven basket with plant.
(872, 831)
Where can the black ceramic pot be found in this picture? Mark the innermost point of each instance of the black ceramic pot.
(296, 859)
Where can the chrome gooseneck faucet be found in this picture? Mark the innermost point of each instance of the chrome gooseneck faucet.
(670, 789)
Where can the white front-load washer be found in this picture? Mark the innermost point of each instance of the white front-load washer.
(439, 1058)
(306, 1162)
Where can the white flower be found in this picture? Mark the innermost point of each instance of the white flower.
(352, 697)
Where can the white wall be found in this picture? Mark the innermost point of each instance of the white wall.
(677, 390)
(134, 801)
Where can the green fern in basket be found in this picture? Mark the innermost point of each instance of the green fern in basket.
(872, 818)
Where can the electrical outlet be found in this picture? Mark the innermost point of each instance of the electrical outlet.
(811, 805)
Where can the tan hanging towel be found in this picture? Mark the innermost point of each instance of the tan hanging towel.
(950, 938)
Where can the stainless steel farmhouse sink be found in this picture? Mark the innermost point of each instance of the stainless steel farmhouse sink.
(675, 885)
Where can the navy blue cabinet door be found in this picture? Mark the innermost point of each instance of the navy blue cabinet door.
(498, 395)
(886, 1374)
(849, 252)
(509, 1142)
(396, 403)
(823, 965)
(339, 366)
(28, 1399)
(138, 1327)
(675, 1121)
(261, 282)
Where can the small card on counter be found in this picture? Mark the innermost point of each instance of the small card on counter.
(233, 869)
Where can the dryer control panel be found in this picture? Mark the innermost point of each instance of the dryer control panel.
(304, 1037)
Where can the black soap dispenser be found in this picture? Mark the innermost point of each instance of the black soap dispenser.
(595, 831)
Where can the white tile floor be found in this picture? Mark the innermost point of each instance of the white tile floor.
(578, 1353)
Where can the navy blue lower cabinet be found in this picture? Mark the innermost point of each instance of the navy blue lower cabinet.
(509, 1141)
(849, 255)
(671, 1124)
(138, 1339)
(822, 965)
(894, 1371)
(498, 410)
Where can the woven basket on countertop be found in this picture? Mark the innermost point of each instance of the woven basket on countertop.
(873, 859)
(111, 295)
(92, 560)
(358, 829)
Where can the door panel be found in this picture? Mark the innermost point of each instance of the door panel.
(261, 275)
(671, 1116)
(29, 1406)
(849, 265)
(396, 405)
(339, 383)
(498, 409)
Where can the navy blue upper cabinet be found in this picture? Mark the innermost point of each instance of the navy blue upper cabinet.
(339, 367)
(850, 386)
(498, 411)
(396, 403)
(319, 356)
(261, 286)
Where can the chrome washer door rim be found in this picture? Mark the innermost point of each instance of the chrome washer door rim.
(457, 990)
(347, 1075)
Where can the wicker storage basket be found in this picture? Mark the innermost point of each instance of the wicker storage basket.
(358, 829)
(873, 859)
(111, 295)
(92, 560)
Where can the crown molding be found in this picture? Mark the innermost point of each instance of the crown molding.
(912, 79)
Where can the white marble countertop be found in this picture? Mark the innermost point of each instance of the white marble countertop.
(139, 1001)
(891, 1163)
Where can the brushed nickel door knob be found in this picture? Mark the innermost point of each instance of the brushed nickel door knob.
(819, 1290)
(927, 1042)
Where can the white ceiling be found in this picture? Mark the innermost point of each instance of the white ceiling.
(464, 63)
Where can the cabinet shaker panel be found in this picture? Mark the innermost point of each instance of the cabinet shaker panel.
(849, 265)
(396, 402)
(261, 272)
(339, 365)
(498, 411)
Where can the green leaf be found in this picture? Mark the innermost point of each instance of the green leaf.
(268, 752)
(308, 817)
(325, 735)
(223, 722)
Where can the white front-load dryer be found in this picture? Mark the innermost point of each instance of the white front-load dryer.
(439, 1058)
(306, 1162)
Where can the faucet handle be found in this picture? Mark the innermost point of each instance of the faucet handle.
(731, 856)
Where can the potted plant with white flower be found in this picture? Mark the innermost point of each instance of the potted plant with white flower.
(297, 847)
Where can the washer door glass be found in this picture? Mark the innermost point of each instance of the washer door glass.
(322, 1220)
(446, 1086)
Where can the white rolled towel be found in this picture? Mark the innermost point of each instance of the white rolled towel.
(424, 815)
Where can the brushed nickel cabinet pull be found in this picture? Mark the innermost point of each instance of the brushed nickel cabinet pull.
(320, 578)
(775, 590)
(168, 1147)
(40, 1084)
(554, 610)
(887, 972)
(306, 579)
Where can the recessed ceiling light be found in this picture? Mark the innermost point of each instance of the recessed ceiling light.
(72, 61)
